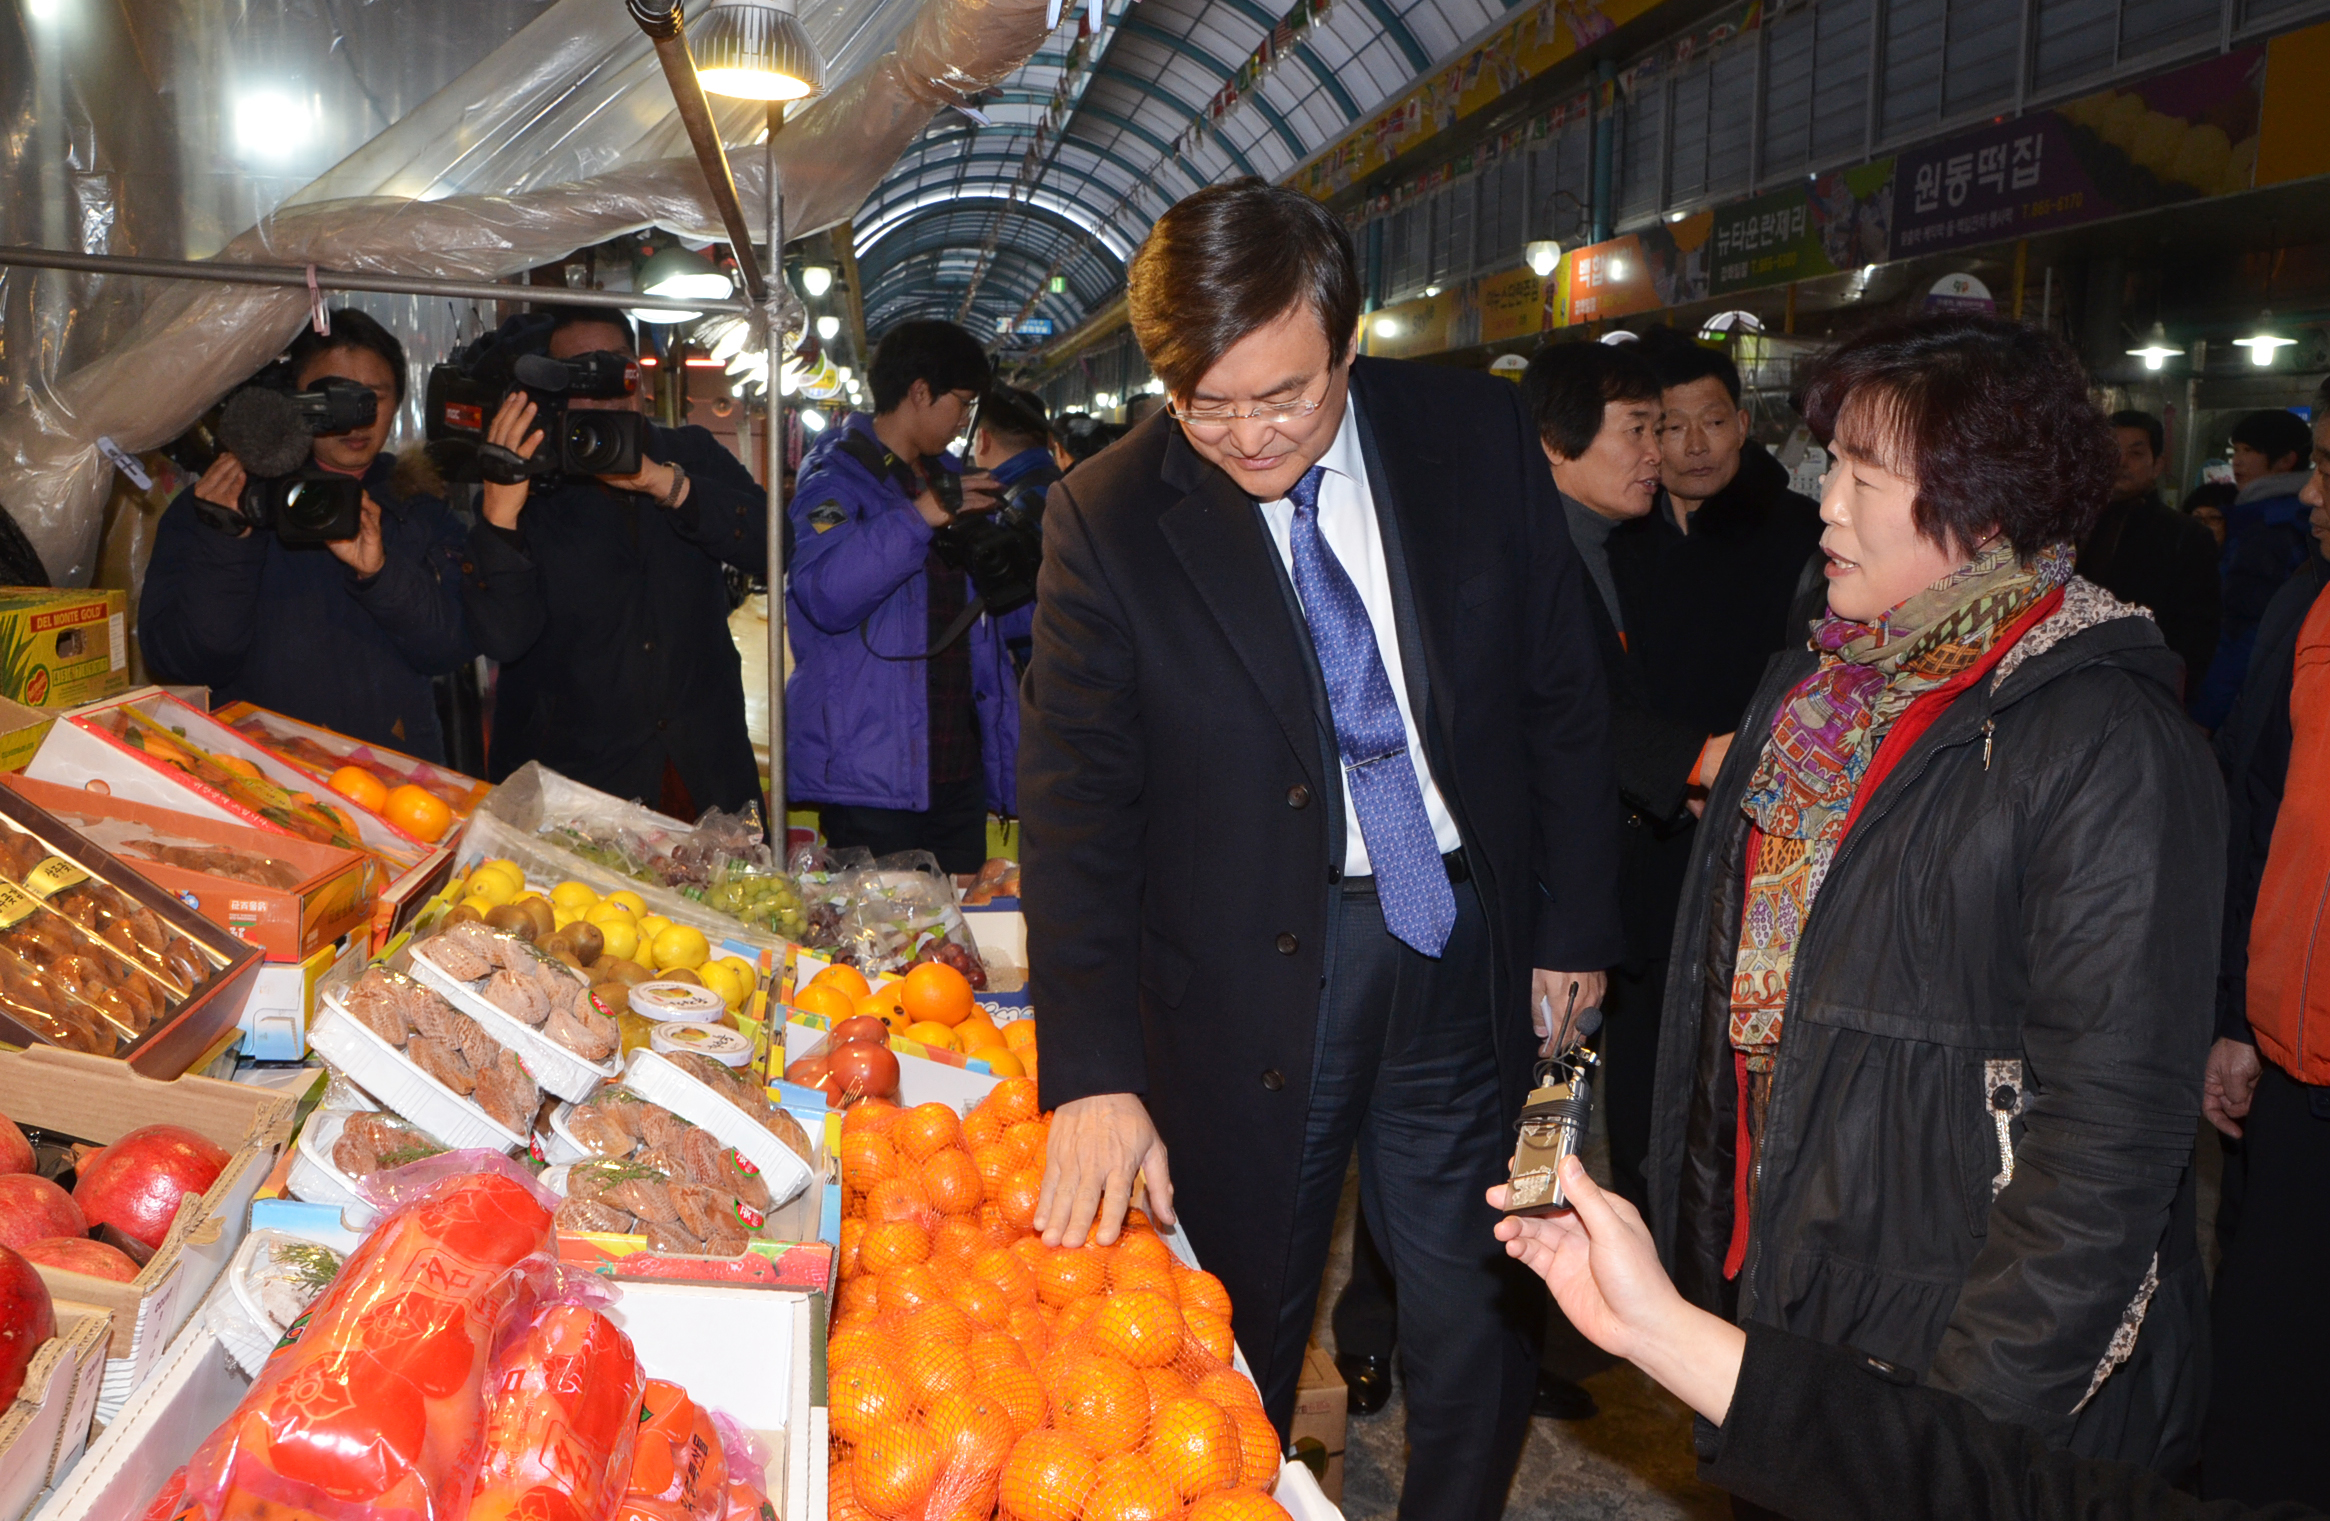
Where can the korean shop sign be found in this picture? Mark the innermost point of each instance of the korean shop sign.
(1835, 222)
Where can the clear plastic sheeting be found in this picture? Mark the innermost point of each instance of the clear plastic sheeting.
(561, 137)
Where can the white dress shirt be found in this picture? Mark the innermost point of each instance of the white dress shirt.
(1348, 523)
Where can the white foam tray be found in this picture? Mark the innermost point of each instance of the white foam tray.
(555, 1068)
(317, 1179)
(386, 1073)
(660, 1081)
(233, 1312)
(555, 1144)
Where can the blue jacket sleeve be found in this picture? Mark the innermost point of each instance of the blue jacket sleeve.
(201, 598)
(416, 595)
(727, 512)
(855, 546)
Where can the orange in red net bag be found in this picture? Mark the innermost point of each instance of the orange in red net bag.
(679, 1471)
(376, 1412)
(561, 1420)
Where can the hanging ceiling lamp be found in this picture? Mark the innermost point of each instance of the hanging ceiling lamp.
(2156, 349)
(756, 50)
(680, 274)
(2264, 343)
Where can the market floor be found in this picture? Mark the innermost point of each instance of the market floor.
(1632, 1462)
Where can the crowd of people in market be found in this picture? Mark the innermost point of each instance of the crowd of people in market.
(1940, 854)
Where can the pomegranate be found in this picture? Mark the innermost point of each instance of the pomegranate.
(860, 1069)
(135, 1184)
(79, 1254)
(27, 1319)
(31, 1208)
(15, 1150)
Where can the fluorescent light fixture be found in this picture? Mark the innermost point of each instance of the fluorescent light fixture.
(755, 50)
(828, 328)
(2156, 349)
(1544, 256)
(1677, 216)
(271, 125)
(812, 420)
(1430, 291)
(678, 273)
(1387, 327)
(816, 280)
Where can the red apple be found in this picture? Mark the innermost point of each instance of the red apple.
(860, 1027)
(31, 1208)
(79, 1254)
(135, 1184)
(15, 1150)
(27, 1319)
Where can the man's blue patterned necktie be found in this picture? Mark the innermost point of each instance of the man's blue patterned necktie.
(1419, 908)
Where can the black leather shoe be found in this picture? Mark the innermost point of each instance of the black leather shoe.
(1369, 1380)
(1560, 1400)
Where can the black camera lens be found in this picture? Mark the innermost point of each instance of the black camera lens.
(600, 443)
(312, 509)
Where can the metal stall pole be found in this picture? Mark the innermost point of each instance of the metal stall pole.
(773, 316)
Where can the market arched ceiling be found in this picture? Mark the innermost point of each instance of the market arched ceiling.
(943, 226)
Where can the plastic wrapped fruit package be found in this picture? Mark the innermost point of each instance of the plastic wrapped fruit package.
(143, 842)
(679, 1471)
(65, 983)
(377, 1410)
(561, 1419)
(102, 912)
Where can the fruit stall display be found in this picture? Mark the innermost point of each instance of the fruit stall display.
(932, 1006)
(975, 1372)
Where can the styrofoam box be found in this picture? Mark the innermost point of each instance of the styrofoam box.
(386, 1073)
(719, 1344)
(555, 1068)
(664, 1082)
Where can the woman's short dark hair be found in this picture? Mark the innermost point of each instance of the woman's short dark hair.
(351, 329)
(1568, 385)
(1992, 419)
(1231, 260)
(939, 354)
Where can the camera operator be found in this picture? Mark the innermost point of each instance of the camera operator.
(903, 710)
(624, 677)
(1013, 445)
(350, 637)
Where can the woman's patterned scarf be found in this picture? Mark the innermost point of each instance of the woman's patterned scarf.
(1827, 732)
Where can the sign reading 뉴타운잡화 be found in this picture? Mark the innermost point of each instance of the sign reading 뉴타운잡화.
(2177, 137)
(1835, 222)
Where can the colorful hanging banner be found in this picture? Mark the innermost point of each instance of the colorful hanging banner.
(1836, 222)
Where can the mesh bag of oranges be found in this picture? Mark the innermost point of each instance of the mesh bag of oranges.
(976, 1373)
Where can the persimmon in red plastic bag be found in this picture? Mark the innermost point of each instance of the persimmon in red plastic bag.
(377, 1410)
(561, 1420)
(679, 1470)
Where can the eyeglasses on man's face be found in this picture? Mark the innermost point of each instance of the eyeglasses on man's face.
(1217, 416)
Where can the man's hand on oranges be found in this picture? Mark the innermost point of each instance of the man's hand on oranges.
(363, 554)
(1099, 1146)
(513, 428)
(1550, 1009)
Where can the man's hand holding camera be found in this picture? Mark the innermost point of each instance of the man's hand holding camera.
(979, 493)
(513, 430)
(223, 484)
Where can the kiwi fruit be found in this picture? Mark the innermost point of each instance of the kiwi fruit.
(679, 974)
(619, 969)
(461, 913)
(558, 943)
(511, 920)
(538, 909)
(615, 996)
(566, 957)
(588, 942)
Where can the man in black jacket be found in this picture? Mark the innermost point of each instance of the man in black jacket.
(1317, 804)
(2144, 551)
(613, 590)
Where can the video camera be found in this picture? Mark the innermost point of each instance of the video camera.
(465, 393)
(1000, 551)
(272, 430)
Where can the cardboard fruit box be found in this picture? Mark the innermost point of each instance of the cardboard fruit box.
(62, 648)
(290, 923)
(191, 1030)
(94, 1099)
(320, 751)
(756, 1354)
(44, 1430)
